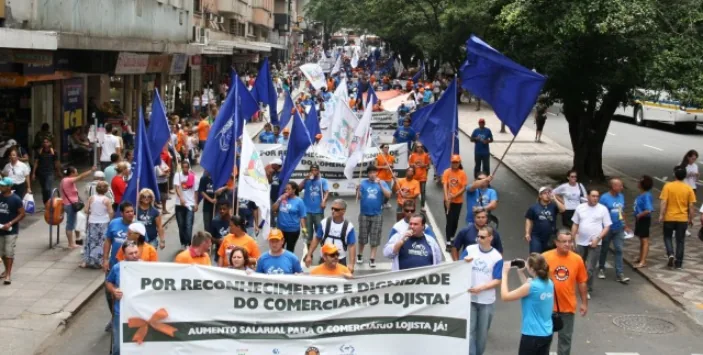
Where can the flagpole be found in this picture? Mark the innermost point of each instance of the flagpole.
(455, 117)
(235, 187)
(500, 161)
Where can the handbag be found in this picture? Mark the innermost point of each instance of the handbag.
(76, 206)
(557, 322)
(28, 203)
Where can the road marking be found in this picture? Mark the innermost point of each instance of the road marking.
(653, 147)
(551, 113)
(661, 179)
(439, 235)
(611, 134)
(622, 353)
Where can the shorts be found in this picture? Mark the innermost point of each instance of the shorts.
(7, 245)
(70, 217)
(370, 228)
(642, 226)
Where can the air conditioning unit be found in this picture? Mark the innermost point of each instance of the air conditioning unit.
(197, 35)
(204, 36)
(212, 17)
(221, 19)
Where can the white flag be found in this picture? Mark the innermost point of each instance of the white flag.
(342, 92)
(336, 140)
(253, 184)
(337, 65)
(314, 73)
(355, 59)
(359, 142)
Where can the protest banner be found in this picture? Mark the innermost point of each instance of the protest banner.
(383, 125)
(333, 169)
(170, 308)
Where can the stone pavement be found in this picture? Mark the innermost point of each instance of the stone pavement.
(47, 286)
(546, 163)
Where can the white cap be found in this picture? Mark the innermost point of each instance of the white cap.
(98, 175)
(277, 161)
(138, 228)
(12, 142)
(544, 188)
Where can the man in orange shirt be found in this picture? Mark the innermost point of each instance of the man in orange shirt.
(568, 272)
(331, 265)
(237, 237)
(203, 131)
(384, 163)
(455, 182)
(197, 251)
(408, 189)
(420, 160)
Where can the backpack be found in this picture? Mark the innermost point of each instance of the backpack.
(342, 235)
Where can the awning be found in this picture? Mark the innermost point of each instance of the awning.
(278, 46)
(24, 39)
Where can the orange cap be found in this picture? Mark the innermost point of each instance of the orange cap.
(456, 158)
(275, 234)
(318, 136)
(329, 249)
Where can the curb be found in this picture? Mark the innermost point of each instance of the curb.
(675, 299)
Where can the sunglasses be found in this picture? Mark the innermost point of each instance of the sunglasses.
(144, 196)
(334, 209)
(130, 243)
(480, 236)
(409, 211)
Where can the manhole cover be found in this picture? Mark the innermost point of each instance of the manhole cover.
(644, 324)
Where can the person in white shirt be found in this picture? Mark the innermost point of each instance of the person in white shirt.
(186, 190)
(19, 173)
(571, 194)
(486, 274)
(111, 144)
(689, 162)
(591, 224)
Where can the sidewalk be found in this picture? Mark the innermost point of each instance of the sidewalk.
(48, 287)
(546, 163)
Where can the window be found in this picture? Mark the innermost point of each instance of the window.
(197, 6)
(250, 29)
(232, 26)
(242, 29)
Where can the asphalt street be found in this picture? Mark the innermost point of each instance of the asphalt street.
(635, 150)
(596, 333)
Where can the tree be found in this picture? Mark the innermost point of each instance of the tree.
(332, 14)
(594, 53)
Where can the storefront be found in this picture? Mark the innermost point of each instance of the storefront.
(175, 90)
(125, 86)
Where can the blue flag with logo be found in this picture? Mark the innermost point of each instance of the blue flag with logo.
(218, 155)
(509, 88)
(286, 112)
(437, 124)
(158, 133)
(312, 122)
(264, 91)
(143, 174)
(298, 144)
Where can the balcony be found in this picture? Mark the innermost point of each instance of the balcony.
(227, 7)
(262, 17)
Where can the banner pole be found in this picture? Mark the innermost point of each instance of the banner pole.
(500, 161)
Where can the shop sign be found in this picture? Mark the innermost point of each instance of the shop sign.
(178, 64)
(14, 81)
(157, 63)
(72, 108)
(37, 68)
(196, 61)
(33, 57)
(131, 63)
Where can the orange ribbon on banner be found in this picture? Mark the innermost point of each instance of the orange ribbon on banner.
(153, 322)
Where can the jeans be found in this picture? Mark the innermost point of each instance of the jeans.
(618, 239)
(483, 164)
(539, 244)
(481, 317)
(207, 218)
(47, 183)
(564, 345)
(184, 219)
(590, 257)
(534, 345)
(116, 334)
(312, 220)
(452, 220)
(675, 230)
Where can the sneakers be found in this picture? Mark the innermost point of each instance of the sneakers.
(622, 279)
(449, 247)
(359, 259)
(671, 261)
(588, 295)
(688, 233)
(372, 263)
(679, 268)
(601, 274)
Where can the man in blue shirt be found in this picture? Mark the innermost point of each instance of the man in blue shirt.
(482, 137)
(219, 227)
(316, 191)
(405, 134)
(278, 261)
(115, 236)
(403, 110)
(468, 235)
(413, 248)
(371, 193)
(112, 287)
(614, 201)
(480, 196)
(267, 137)
(541, 219)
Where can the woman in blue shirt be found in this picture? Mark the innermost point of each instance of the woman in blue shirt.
(537, 298)
(291, 215)
(643, 218)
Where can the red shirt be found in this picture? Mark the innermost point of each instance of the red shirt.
(166, 158)
(118, 188)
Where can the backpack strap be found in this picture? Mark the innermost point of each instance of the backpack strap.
(328, 225)
(342, 235)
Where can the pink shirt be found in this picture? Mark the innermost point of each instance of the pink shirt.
(69, 191)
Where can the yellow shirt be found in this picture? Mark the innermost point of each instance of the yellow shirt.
(245, 241)
(679, 197)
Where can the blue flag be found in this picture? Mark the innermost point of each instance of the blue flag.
(298, 144)
(372, 65)
(248, 104)
(218, 155)
(285, 113)
(419, 73)
(312, 122)
(437, 124)
(143, 175)
(158, 133)
(371, 98)
(509, 88)
(388, 66)
(265, 92)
